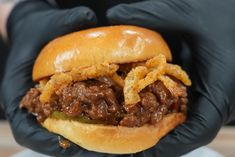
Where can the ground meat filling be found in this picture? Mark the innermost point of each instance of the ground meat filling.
(102, 100)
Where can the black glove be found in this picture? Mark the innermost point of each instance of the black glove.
(208, 29)
(31, 25)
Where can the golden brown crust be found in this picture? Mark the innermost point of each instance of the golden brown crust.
(111, 139)
(112, 44)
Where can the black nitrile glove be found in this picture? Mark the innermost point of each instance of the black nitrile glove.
(208, 29)
(31, 25)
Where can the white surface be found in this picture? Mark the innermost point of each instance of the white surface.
(28, 153)
(203, 152)
(200, 152)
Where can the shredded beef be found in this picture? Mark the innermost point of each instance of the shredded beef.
(102, 100)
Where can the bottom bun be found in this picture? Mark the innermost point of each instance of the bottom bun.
(114, 139)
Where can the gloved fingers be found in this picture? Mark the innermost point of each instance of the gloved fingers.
(24, 9)
(202, 124)
(213, 72)
(78, 17)
(67, 21)
(157, 14)
(50, 22)
(16, 81)
(54, 23)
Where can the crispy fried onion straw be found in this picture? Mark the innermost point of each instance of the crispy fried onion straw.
(171, 85)
(154, 69)
(116, 78)
(137, 79)
(60, 80)
(177, 72)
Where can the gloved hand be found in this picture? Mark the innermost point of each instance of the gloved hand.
(31, 25)
(208, 29)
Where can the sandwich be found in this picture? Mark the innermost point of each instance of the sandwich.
(109, 89)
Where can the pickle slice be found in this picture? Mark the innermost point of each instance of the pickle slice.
(63, 116)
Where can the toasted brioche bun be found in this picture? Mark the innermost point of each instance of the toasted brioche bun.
(112, 44)
(115, 140)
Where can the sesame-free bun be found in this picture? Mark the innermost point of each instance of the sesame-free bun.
(114, 139)
(110, 44)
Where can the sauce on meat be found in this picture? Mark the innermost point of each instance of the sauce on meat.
(102, 100)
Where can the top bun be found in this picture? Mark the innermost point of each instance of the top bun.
(111, 44)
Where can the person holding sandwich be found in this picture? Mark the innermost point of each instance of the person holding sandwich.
(204, 33)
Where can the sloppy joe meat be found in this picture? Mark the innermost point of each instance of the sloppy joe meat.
(102, 100)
